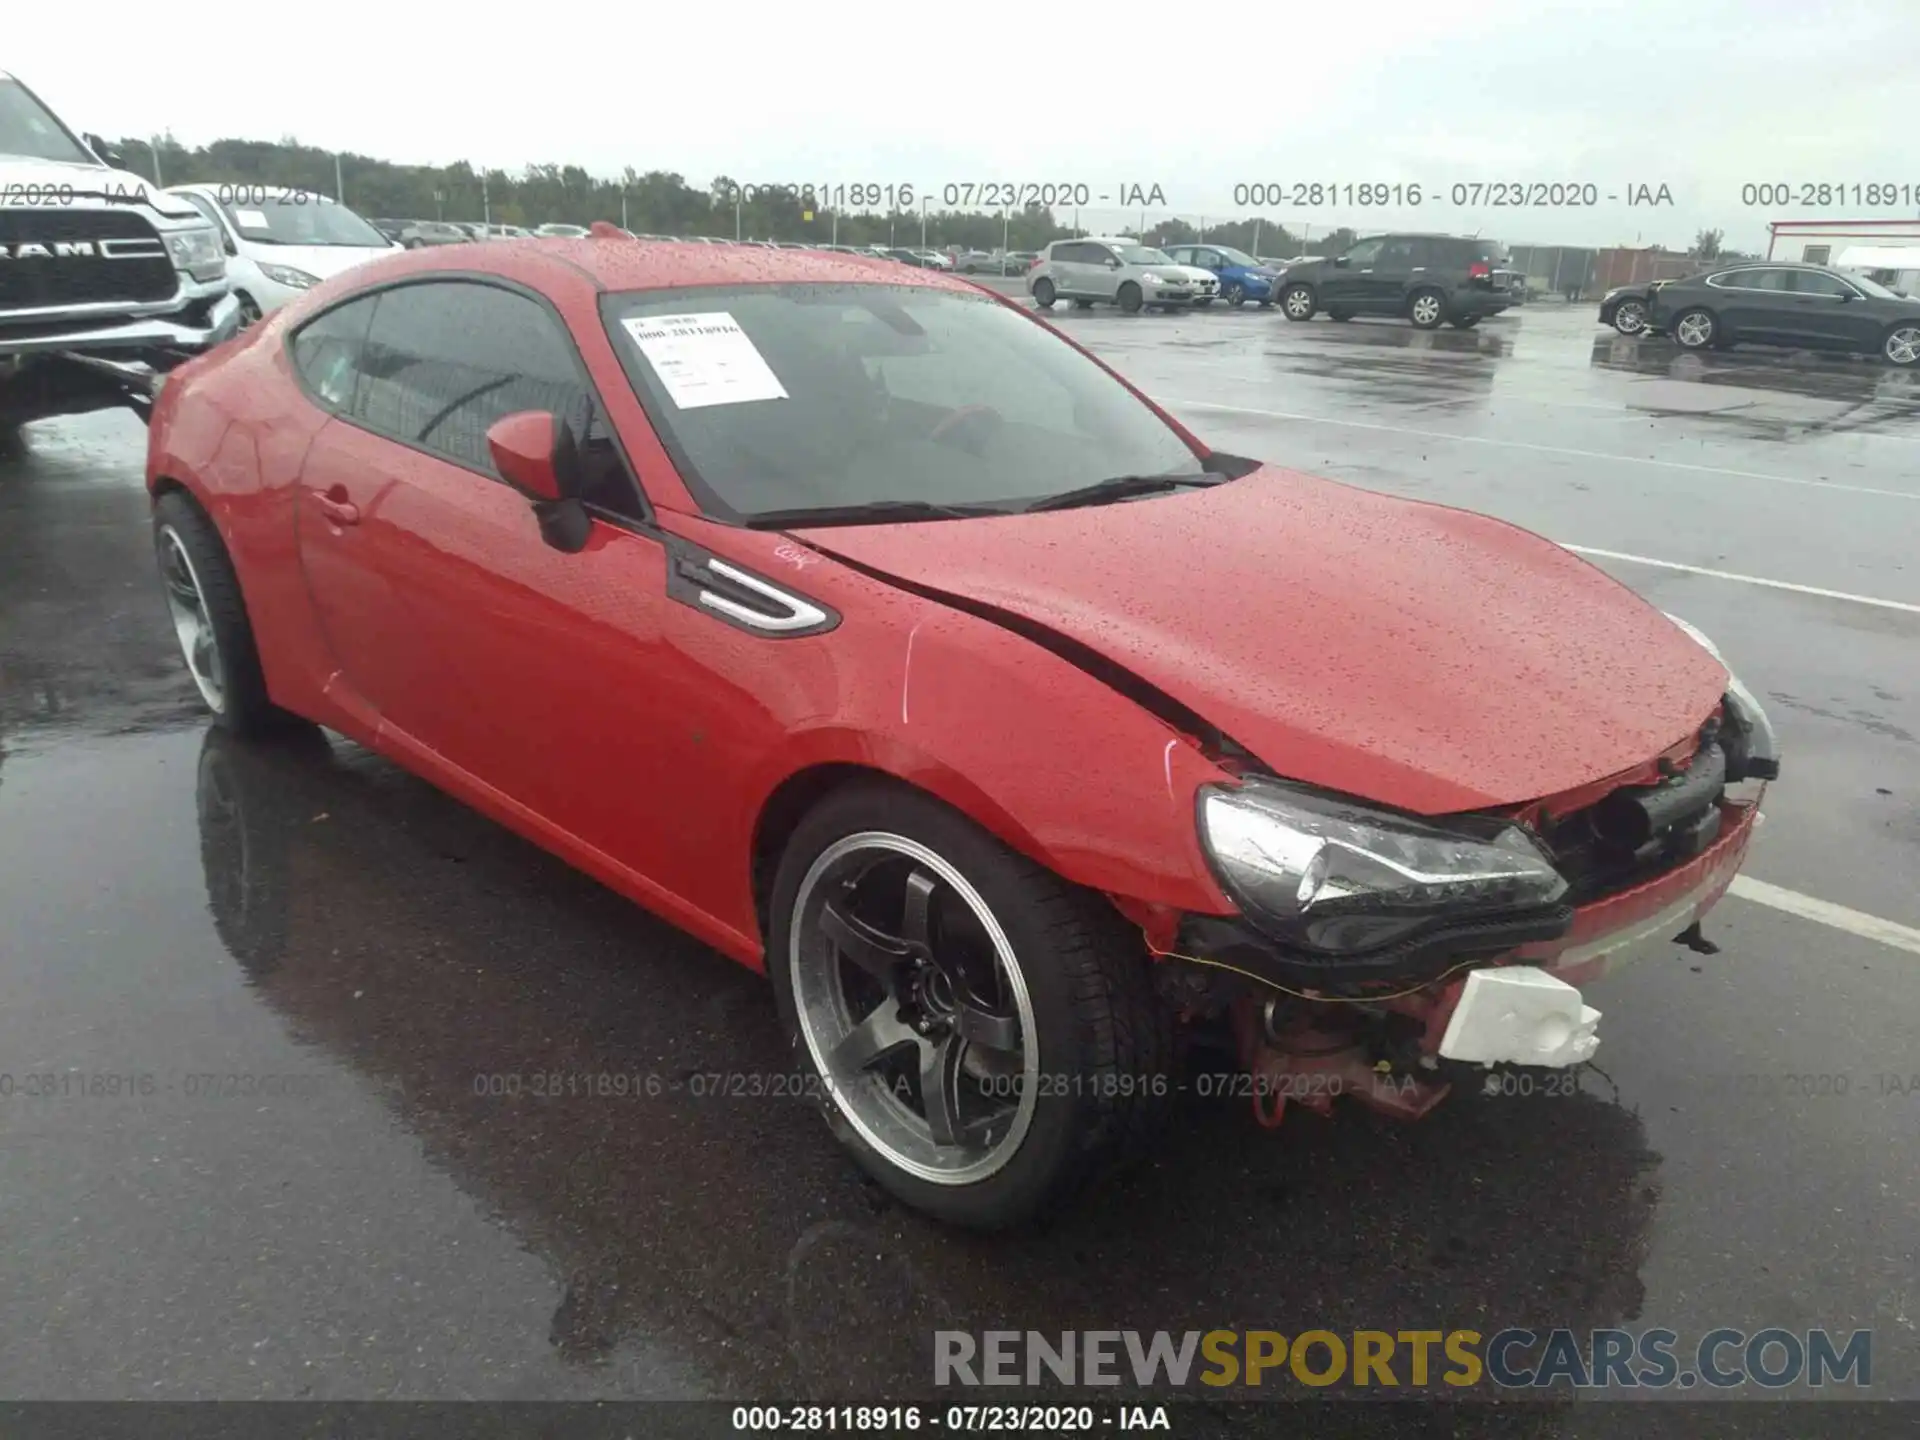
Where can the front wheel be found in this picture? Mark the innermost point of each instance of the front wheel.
(1043, 293)
(1426, 309)
(985, 1037)
(1235, 294)
(1695, 329)
(1130, 297)
(1630, 317)
(250, 313)
(1298, 302)
(1902, 345)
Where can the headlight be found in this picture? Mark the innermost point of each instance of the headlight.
(1752, 751)
(1330, 875)
(286, 275)
(1151, 278)
(197, 251)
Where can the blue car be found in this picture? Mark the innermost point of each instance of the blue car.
(1242, 278)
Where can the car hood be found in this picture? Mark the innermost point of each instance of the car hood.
(92, 187)
(322, 262)
(1418, 656)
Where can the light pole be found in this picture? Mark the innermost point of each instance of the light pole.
(736, 214)
(486, 201)
(339, 185)
(923, 220)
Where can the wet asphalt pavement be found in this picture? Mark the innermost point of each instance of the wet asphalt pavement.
(304, 966)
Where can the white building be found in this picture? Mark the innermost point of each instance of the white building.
(1887, 250)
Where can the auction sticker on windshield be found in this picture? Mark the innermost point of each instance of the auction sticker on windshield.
(704, 359)
(251, 219)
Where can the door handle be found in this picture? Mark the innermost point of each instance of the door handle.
(336, 507)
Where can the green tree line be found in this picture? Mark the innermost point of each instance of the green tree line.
(656, 202)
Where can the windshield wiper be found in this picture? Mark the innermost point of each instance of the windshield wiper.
(1119, 487)
(876, 512)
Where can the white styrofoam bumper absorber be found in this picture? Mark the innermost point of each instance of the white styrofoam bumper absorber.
(1517, 1015)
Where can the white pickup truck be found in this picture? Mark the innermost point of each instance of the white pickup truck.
(106, 282)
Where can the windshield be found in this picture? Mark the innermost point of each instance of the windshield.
(1875, 288)
(790, 397)
(1144, 255)
(293, 217)
(1236, 257)
(28, 128)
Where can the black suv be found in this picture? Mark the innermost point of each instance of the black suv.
(1427, 278)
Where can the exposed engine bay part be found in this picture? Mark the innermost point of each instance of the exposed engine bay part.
(1520, 1015)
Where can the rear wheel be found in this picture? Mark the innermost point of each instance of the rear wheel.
(210, 617)
(1297, 302)
(1695, 329)
(1129, 297)
(930, 977)
(1426, 309)
(1902, 345)
(1043, 294)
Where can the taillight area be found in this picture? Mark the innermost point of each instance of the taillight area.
(1035, 261)
(1479, 270)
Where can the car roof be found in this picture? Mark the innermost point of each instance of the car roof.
(620, 264)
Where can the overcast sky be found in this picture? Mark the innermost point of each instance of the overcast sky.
(1702, 96)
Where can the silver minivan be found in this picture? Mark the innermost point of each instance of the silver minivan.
(1116, 271)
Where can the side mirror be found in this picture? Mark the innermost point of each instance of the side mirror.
(1113, 262)
(107, 153)
(1341, 261)
(538, 454)
(226, 244)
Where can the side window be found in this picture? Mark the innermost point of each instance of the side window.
(1395, 255)
(1364, 254)
(206, 208)
(446, 359)
(1812, 282)
(1184, 255)
(327, 352)
(1774, 280)
(1816, 254)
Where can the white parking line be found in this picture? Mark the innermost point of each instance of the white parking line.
(1846, 595)
(1825, 912)
(1178, 404)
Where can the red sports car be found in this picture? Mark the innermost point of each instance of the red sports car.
(863, 625)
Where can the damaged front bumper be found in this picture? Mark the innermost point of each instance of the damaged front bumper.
(1385, 1046)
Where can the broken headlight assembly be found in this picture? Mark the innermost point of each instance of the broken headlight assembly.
(1332, 877)
(1747, 735)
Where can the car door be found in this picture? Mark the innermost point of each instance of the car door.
(544, 675)
(1348, 278)
(1396, 268)
(1754, 305)
(1830, 314)
(1103, 270)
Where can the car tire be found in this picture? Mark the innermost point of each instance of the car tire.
(1340, 315)
(1465, 322)
(1902, 344)
(1630, 317)
(250, 313)
(210, 618)
(1695, 329)
(1043, 293)
(1129, 298)
(1427, 308)
(1298, 302)
(1235, 294)
(1071, 986)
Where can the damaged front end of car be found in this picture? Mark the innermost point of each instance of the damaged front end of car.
(1375, 953)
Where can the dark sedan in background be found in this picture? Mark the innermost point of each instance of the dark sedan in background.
(1808, 307)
